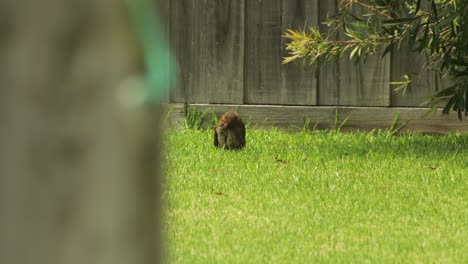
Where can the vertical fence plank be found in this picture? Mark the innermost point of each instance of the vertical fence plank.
(359, 84)
(219, 51)
(211, 59)
(367, 82)
(422, 88)
(267, 80)
(329, 81)
(298, 83)
(404, 61)
(263, 52)
(182, 42)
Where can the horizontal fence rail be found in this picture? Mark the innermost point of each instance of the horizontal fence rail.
(353, 118)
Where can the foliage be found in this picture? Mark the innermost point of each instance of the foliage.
(339, 126)
(317, 197)
(436, 29)
(194, 119)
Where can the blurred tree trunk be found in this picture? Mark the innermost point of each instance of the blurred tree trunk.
(78, 166)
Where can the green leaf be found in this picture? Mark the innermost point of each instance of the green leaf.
(395, 120)
(449, 91)
(353, 52)
(434, 42)
(424, 41)
(414, 34)
(465, 28)
(401, 126)
(449, 105)
(398, 83)
(460, 103)
(466, 100)
(388, 49)
(434, 9)
(418, 5)
(398, 21)
(354, 16)
(459, 62)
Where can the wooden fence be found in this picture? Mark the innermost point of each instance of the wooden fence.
(230, 52)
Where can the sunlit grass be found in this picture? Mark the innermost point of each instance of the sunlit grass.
(317, 197)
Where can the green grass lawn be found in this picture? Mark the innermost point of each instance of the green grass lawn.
(317, 197)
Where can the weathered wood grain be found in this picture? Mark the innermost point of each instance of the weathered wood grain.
(208, 37)
(367, 82)
(360, 118)
(298, 83)
(263, 52)
(217, 64)
(363, 84)
(182, 38)
(267, 80)
(424, 85)
(404, 61)
(328, 88)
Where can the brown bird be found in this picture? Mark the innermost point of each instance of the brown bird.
(229, 132)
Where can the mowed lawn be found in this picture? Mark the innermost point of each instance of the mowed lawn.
(315, 197)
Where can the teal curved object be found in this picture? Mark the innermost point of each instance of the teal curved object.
(159, 62)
